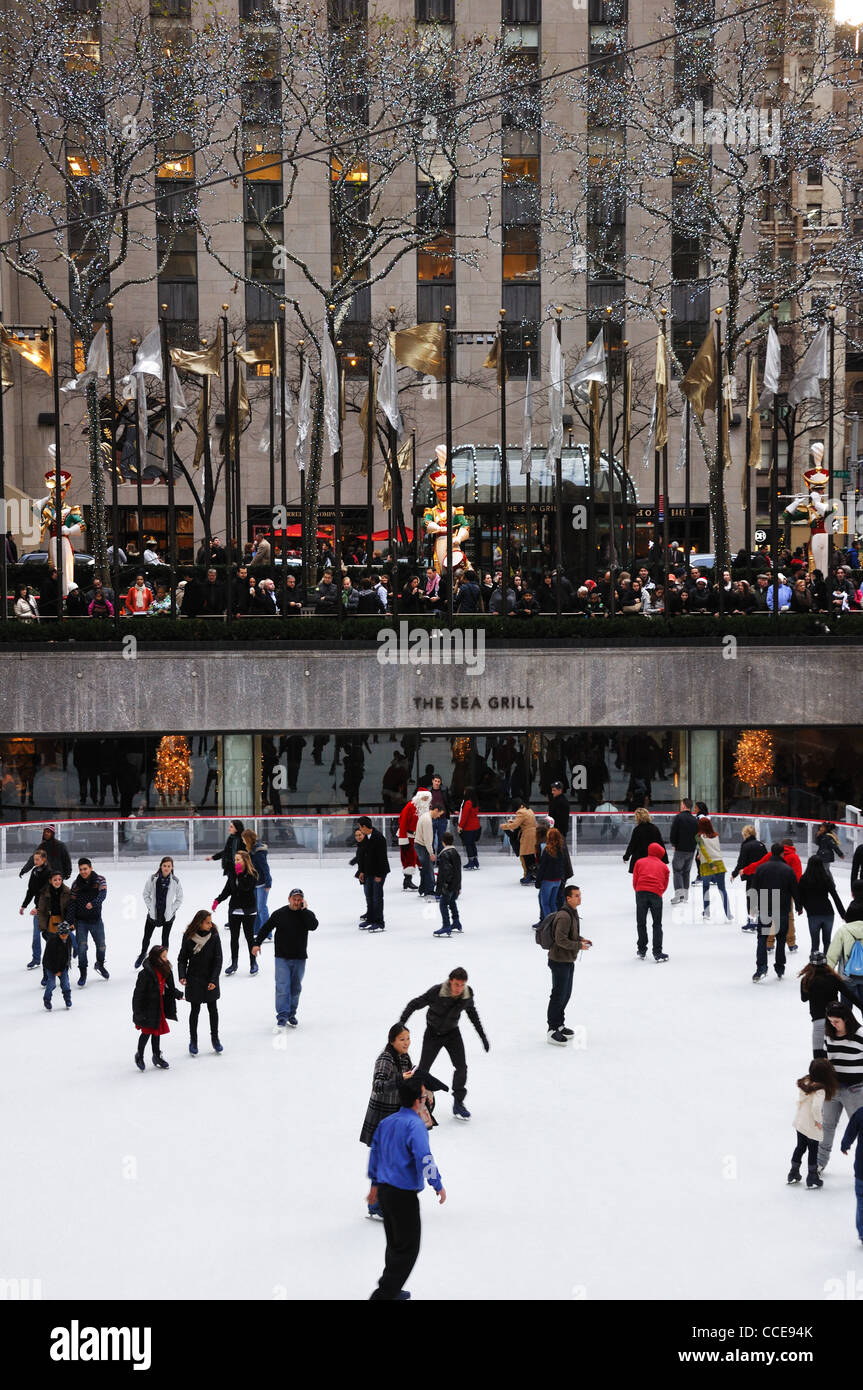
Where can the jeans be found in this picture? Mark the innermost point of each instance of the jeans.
(562, 972)
(652, 903)
(261, 895)
(469, 841)
(820, 924)
(452, 1043)
(51, 981)
(374, 892)
(37, 941)
(549, 891)
(719, 880)
(681, 868)
(449, 902)
(401, 1212)
(806, 1146)
(858, 1188)
(847, 1098)
(438, 828)
(289, 983)
(98, 930)
(818, 1037)
(426, 871)
(765, 934)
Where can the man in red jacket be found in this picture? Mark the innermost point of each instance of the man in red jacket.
(650, 880)
(792, 859)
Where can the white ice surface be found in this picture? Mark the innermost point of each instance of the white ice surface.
(648, 1163)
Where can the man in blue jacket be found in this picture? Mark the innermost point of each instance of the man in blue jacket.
(855, 1131)
(88, 893)
(400, 1165)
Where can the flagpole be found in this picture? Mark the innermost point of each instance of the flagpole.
(504, 459)
(169, 458)
(448, 424)
(238, 504)
(721, 540)
(414, 519)
(747, 515)
(370, 447)
(115, 529)
(655, 549)
(271, 460)
(395, 516)
(4, 580)
(208, 461)
(687, 479)
(337, 465)
(527, 529)
(624, 503)
(774, 493)
(831, 405)
(558, 495)
(666, 509)
(228, 451)
(283, 469)
(58, 481)
(609, 402)
(304, 547)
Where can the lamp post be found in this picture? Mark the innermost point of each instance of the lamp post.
(448, 436)
(115, 529)
(226, 370)
(558, 497)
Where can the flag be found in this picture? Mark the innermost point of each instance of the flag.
(267, 352)
(388, 392)
(699, 384)
(590, 368)
(371, 394)
(806, 383)
(651, 435)
(179, 407)
(555, 399)
(36, 351)
(207, 361)
(403, 458)
(304, 417)
(527, 426)
(239, 409)
(495, 361)
(753, 411)
(661, 438)
(97, 363)
(283, 409)
(772, 367)
(202, 424)
(593, 392)
(330, 379)
(421, 347)
(6, 360)
(148, 362)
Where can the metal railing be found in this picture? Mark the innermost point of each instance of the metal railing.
(325, 837)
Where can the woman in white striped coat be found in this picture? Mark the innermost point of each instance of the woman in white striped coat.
(843, 1043)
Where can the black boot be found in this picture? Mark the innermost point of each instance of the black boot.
(812, 1178)
(159, 1061)
(793, 1173)
(408, 885)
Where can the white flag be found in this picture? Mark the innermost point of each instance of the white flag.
(388, 392)
(527, 426)
(772, 367)
(555, 399)
(330, 378)
(148, 362)
(651, 435)
(96, 368)
(283, 409)
(179, 407)
(806, 384)
(590, 368)
(304, 417)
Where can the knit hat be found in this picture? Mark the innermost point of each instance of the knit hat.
(296, 890)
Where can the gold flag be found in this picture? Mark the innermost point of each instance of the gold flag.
(495, 361)
(403, 457)
(6, 368)
(754, 414)
(267, 352)
(36, 351)
(238, 407)
(207, 361)
(364, 418)
(699, 384)
(593, 394)
(421, 347)
(661, 438)
(201, 424)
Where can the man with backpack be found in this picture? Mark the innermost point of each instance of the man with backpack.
(845, 952)
(560, 935)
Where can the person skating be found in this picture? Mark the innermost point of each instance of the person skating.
(449, 886)
(565, 945)
(751, 851)
(681, 835)
(55, 965)
(813, 894)
(400, 1165)
(711, 866)
(819, 987)
(392, 1067)
(163, 895)
(523, 824)
(242, 908)
(233, 843)
(153, 1003)
(199, 966)
(644, 834)
(558, 809)
(469, 827)
(771, 889)
(553, 869)
(40, 876)
(87, 894)
(650, 880)
(854, 1133)
(424, 847)
(843, 1043)
(51, 908)
(408, 818)
(372, 868)
(792, 859)
(445, 1004)
(290, 927)
(819, 1085)
(844, 952)
(258, 852)
(59, 858)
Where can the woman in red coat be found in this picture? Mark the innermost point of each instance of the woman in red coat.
(153, 1003)
(468, 824)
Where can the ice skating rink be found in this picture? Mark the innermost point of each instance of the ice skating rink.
(646, 1161)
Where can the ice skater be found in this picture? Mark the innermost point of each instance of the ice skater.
(163, 895)
(650, 879)
(55, 965)
(373, 867)
(445, 1004)
(819, 1085)
(242, 908)
(87, 894)
(392, 1067)
(400, 1165)
(199, 966)
(449, 886)
(39, 878)
(843, 1043)
(153, 1003)
(291, 926)
(854, 1131)
(561, 937)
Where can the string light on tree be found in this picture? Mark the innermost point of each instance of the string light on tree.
(753, 758)
(173, 768)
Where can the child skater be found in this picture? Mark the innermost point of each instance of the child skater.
(812, 1090)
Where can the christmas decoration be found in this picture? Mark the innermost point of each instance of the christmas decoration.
(753, 758)
(173, 769)
(460, 749)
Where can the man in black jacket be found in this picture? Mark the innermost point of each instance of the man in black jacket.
(682, 834)
(558, 809)
(769, 898)
(290, 927)
(751, 850)
(212, 597)
(39, 877)
(445, 1004)
(448, 886)
(372, 868)
(59, 859)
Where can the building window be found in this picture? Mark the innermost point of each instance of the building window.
(521, 11)
(177, 246)
(434, 11)
(171, 9)
(259, 338)
(520, 254)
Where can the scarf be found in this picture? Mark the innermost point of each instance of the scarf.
(200, 941)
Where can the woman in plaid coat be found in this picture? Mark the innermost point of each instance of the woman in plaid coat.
(392, 1067)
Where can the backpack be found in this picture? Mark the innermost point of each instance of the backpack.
(545, 932)
(854, 963)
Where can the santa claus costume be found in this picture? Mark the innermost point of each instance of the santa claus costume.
(410, 814)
